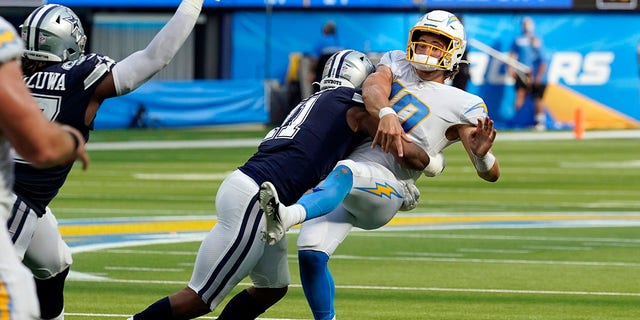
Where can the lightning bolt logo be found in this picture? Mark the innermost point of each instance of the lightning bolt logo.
(6, 36)
(382, 190)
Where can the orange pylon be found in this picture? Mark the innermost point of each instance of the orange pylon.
(579, 124)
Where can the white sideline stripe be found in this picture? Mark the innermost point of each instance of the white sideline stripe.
(237, 143)
(393, 234)
(395, 288)
(550, 292)
(181, 176)
(108, 315)
(176, 144)
(480, 250)
(144, 269)
(506, 261)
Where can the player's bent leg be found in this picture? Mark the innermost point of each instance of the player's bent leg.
(317, 283)
(323, 198)
(51, 296)
(21, 224)
(49, 259)
(250, 303)
(271, 280)
(376, 196)
(330, 193)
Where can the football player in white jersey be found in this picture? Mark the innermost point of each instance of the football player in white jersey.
(70, 87)
(43, 143)
(409, 94)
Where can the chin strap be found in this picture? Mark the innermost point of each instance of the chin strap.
(137, 68)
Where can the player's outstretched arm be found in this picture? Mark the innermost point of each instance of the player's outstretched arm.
(140, 66)
(477, 141)
(375, 93)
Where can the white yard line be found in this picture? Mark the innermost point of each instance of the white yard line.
(231, 143)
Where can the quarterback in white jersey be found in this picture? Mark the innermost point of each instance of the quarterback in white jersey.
(408, 93)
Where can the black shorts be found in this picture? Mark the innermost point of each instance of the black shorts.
(536, 90)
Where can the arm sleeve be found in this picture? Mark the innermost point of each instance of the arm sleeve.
(140, 66)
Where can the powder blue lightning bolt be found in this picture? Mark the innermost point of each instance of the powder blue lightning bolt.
(382, 190)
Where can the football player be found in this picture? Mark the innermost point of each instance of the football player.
(409, 95)
(295, 156)
(70, 86)
(43, 143)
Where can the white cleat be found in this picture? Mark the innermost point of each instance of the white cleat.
(270, 204)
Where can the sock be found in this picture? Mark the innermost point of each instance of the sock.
(329, 194)
(317, 283)
(160, 310)
(241, 307)
(51, 295)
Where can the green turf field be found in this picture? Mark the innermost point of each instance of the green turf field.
(437, 272)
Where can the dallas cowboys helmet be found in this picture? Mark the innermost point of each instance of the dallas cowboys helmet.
(53, 33)
(346, 68)
(441, 23)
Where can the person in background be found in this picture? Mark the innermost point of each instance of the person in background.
(461, 79)
(70, 87)
(326, 46)
(529, 50)
(44, 144)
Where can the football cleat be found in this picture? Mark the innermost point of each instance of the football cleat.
(270, 204)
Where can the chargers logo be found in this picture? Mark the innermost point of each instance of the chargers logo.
(6, 37)
(382, 190)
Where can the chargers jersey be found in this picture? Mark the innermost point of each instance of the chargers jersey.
(426, 109)
(63, 92)
(297, 155)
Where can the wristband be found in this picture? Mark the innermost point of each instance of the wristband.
(76, 141)
(484, 164)
(386, 111)
(436, 165)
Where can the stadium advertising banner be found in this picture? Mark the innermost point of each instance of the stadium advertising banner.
(399, 4)
(593, 64)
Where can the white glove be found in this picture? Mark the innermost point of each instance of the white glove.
(411, 195)
(436, 165)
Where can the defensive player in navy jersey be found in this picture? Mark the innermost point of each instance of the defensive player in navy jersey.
(70, 86)
(409, 90)
(295, 156)
(45, 144)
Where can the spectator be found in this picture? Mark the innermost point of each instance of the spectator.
(461, 78)
(528, 49)
(325, 47)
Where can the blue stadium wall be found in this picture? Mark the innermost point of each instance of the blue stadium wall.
(594, 54)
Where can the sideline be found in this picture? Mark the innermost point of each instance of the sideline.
(245, 143)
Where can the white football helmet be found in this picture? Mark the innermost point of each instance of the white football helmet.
(53, 33)
(346, 68)
(442, 23)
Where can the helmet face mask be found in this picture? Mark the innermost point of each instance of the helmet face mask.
(346, 68)
(53, 33)
(441, 24)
